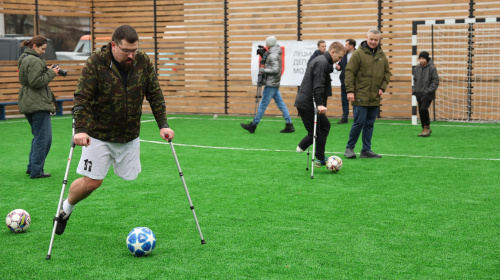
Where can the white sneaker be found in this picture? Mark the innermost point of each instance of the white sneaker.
(299, 150)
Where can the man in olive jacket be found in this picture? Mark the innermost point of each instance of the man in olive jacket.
(366, 78)
(108, 108)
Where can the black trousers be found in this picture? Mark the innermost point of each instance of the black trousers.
(322, 131)
(423, 111)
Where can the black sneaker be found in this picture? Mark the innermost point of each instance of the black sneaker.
(250, 127)
(342, 121)
(369, 154)
(349, 153)
(62, 220)
(43, 175)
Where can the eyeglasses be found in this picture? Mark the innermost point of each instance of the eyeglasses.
(127, 51)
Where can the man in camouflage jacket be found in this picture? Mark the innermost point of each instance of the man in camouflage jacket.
(108, 109)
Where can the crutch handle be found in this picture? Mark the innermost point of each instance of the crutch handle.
(168, 138)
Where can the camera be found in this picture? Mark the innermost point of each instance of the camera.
(263, 54)
(61, 72)
(261, 50)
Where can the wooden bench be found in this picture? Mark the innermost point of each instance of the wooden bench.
(59, 105)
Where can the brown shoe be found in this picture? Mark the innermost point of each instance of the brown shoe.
(421, 133)
(427, 131)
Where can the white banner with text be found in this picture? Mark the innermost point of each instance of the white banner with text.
(295, 55)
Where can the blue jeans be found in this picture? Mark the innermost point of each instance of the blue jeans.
(364, 118)
(41, 128)
(267, 94)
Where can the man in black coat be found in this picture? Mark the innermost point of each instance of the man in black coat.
(350, 47)
(312, 88)
(425, 84)
(321, 50)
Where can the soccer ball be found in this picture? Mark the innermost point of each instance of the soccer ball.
(334, 164)
(18, 220)
(141, 241)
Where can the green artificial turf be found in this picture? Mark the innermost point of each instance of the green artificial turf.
(429, 209)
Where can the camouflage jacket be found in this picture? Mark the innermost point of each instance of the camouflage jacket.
(108, 109)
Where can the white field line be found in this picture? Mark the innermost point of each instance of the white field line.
(271, 120)
(293, 151)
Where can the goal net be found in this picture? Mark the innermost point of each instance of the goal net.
(466, 54)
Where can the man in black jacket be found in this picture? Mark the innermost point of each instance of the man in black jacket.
(350, 47)
(425, 84)
(321, 50)
(316, 78)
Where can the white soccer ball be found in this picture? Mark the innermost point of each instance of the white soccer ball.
(141, 241)
(334, 164)
(18, 220)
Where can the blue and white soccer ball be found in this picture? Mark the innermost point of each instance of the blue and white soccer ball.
(141, 241)
(334, 164)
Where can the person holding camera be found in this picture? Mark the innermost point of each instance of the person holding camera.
(36, 101)
(108, 106)
(272, 71)
(312, 91)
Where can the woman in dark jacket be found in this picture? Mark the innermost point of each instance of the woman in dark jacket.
(36, 101)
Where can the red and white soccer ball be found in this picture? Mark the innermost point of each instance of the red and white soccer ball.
(334, 164)
(18, 220)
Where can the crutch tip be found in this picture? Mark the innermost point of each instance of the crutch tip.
(48, 257)
(203, 242)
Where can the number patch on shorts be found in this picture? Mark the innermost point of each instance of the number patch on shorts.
(88, 165)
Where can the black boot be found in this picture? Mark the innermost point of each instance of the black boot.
(342, 121)
(250, 127)
(288, 128)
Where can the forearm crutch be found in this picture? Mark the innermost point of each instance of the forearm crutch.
(65, 181)
(185, 188)
(314, 137)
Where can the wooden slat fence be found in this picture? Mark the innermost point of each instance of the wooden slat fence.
(202, 49)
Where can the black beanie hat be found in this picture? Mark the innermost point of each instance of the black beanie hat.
(425, 55)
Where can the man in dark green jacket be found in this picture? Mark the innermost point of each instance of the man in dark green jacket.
(108, 108)
(366, 78)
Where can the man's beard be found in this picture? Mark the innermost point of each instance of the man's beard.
(127, 66)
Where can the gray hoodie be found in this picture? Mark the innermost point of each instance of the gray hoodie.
(272, 68)
(425, 81)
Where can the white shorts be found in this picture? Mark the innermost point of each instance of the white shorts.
(100, 155)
